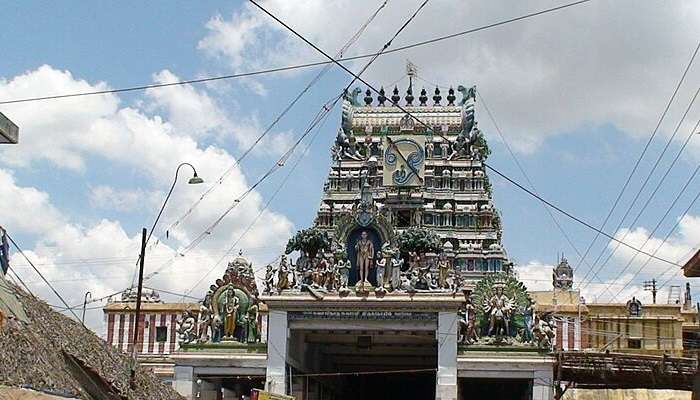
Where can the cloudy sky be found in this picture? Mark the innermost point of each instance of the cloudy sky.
(576, 93)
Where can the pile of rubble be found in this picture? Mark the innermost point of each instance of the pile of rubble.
(46, 351)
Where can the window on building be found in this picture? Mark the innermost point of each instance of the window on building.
(161, 333)
(634, 343)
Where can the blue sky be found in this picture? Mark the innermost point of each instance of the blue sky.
(577, 94)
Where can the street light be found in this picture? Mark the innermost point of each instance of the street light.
(144, 240)
(85, 299)
(195, 180)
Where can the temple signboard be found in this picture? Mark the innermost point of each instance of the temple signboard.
(362, 314)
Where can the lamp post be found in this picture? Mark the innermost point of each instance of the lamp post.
(144, 240)
(85, 299)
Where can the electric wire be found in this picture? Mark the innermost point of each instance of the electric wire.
(527, 178)
(281, 115)
(43, 278)
(262, 211)
(659, 184)
(308, 146)
(279, 164)
(658, 225)
(579, 220)
(403, 109)
(300, 66)
(641, 156)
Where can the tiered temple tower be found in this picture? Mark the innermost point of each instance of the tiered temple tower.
(447, 189)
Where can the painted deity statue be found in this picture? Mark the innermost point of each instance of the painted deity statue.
(343, 268)
(329, 276)
(443, 273)
(269, 278)
(499, 308)
(317, 272)
(186, 327)
(231, 305)
(528, 316)
(365, 255)
(252, 324)
(381, 270)
(204, 322)
(283, 274)
(396, 264)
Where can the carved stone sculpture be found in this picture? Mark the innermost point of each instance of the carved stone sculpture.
(186, 327)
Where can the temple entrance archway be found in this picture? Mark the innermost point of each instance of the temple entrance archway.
(352, 240)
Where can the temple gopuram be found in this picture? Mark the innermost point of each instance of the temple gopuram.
(400, 289)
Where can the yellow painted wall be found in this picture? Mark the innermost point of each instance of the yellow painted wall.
(626, 394)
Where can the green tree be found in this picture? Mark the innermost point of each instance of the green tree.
(419, 240)
(310, 241)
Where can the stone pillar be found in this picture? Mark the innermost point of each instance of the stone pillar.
(542, 384)
(276, 380)
(446, 385)
(184, 381)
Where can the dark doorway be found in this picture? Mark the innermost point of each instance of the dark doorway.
(404, 386)
(511, 389)
(352, 241)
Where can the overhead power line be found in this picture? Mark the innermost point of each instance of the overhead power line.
(668, 235)
(573, 217)
(641, 156)
(281, 115)
(397, 105)
(528, 180)
(648, 177)
(323, 113)
(41, 275)
(298, 66)
(656, 189)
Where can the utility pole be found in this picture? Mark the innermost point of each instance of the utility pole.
(651, 286)
(134, 352)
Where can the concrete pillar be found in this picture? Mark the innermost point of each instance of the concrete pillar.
(277, 352)
(184, 381)
(446, 385)
(542, 384)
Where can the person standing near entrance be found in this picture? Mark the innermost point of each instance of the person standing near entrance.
(365, 255)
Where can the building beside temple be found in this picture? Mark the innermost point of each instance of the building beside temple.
(400, 289)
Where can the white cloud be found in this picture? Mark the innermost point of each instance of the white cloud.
(25, 208)
(191, 112)
(54, 131)
(594, 64)
(96, 133)
(111, 198)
